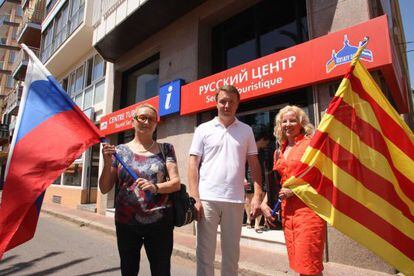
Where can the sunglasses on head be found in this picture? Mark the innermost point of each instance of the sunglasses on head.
(144, 118)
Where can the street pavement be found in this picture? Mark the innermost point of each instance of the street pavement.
(63, 248)
(253, 260)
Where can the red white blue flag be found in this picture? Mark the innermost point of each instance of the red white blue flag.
(51, 132)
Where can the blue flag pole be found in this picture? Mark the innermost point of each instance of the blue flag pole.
(127, 168)
(276, 207)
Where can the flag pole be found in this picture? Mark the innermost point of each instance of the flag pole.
(127, 168)
(361, 48)
(356, 57)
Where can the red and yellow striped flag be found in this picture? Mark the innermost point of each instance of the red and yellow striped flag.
(358, 172)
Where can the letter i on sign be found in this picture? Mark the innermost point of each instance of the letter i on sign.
(168, 99)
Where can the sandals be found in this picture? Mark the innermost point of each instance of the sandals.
(258, 230)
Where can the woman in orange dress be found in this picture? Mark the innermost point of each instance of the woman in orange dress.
(304, 231)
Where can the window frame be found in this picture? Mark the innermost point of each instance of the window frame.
(60, 34)
(74, 92)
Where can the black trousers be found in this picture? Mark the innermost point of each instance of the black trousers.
(158, 243)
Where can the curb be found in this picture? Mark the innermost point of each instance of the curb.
(178, 250)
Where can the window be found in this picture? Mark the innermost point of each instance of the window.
(73, 175)
(47, 39)
(88, 98)
(49, 5)
(71, 84)
(89, 67)
(141, 82)
(98, 67)
(60, 27)
(66, 21)
(79, 79)
(65, 84)
(12, 56)
(10, 82)
(19, 11)
(99, 92)
(86, 84)
(265, 28)
(76, 11)
(14, 33)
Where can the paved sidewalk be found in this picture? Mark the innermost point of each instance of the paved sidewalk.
(253, 261)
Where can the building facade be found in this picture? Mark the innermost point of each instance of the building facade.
(66, 50)
(10, 90)
(174, 54)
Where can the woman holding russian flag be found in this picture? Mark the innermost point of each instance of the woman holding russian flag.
(143, 213)
(304, 230)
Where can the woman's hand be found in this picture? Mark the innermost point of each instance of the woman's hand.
(146, 185)
(107, 152)
(285, 193)
(267, 213)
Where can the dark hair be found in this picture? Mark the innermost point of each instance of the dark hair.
(229, 89)
(260, 131)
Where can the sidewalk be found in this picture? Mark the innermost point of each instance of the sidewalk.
(253, 260)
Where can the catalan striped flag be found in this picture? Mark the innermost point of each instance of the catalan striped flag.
(358, 172)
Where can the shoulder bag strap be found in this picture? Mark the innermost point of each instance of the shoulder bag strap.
(161, 146)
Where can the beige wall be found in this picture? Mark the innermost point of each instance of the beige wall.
(327, 16)
(70, 196)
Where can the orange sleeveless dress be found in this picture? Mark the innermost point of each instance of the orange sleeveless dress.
(305, 232)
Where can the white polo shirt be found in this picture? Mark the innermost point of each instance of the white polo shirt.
(223, 154)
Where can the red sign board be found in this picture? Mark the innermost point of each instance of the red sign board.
(321, 59)
(121, 120)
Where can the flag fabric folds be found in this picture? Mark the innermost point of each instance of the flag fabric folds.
(358, 171)
(51, 132)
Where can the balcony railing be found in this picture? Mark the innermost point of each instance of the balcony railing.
(22, 60)
(4, 131)
(32, 15)
(13, 100)
(103, 8)
(5, 20)
(12, 45)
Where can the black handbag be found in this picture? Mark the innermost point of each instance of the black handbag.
(183, 205)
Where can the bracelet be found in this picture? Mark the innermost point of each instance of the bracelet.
(156, 188)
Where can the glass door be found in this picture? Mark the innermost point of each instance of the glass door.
(259, 119)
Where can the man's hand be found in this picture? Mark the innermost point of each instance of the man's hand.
(255, 206)
(267, 213)
(199, 208)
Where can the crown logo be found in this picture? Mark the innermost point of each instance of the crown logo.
(345, 55)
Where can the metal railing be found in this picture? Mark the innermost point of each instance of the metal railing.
(4, 131)
(4, 19)
(33, 14)
(13, 99)
(23, 58)
(101, 8)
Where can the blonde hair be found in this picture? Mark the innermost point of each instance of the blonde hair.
(307, 128)
(147, 105)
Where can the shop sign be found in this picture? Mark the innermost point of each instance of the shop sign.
(298, 66)
(121, 120)
(169, 102)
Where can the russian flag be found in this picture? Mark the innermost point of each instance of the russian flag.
(51, 132)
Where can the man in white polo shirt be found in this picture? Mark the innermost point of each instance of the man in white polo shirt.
(216, 172)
